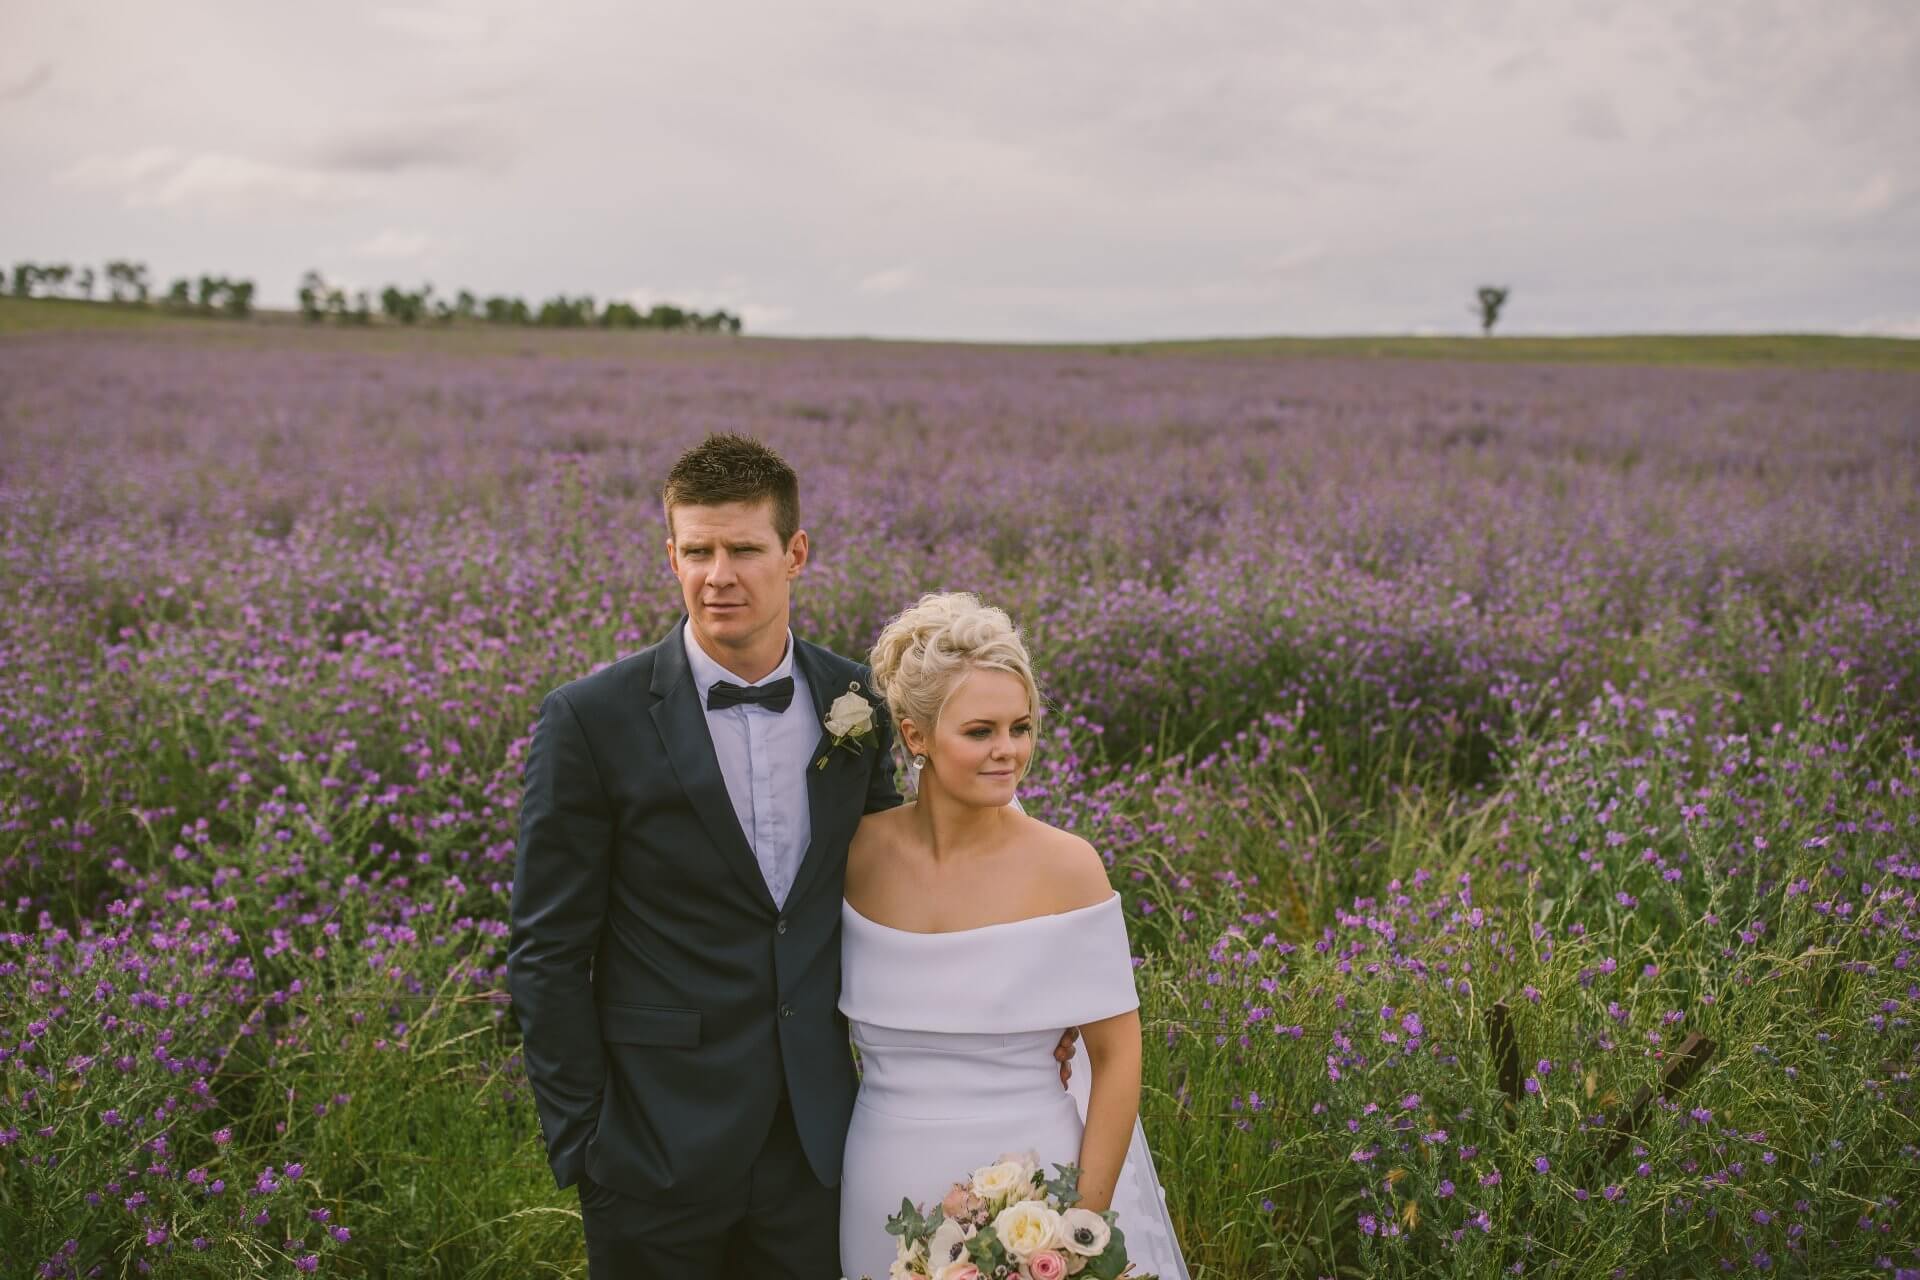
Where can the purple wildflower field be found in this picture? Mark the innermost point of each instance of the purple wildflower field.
(1391, 689)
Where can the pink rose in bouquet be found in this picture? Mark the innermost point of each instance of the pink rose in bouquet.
(1047, 1265)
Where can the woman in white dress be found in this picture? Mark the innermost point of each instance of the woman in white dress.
(973, 935)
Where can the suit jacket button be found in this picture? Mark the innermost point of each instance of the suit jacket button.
(780, 925)
(786, 1011)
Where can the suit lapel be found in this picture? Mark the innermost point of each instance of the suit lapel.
(682, 723)
(831, 815)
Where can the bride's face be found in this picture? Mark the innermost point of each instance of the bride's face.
(980, 748)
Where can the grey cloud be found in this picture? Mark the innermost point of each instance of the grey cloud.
(995, 168)
(1592, 116)
(27, 85)
(1516, 65)
(1846, 71)
(411, 146)
(440, 25)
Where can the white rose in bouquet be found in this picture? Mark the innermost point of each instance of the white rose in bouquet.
(1026, 1228)
(998, 1181)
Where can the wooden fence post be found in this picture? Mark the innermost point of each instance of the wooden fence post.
(1506, 1053)
(1682, 1066)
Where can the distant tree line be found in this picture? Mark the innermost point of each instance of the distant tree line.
(321, 301)
(126, 283)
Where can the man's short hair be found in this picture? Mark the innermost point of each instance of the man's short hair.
(730, 468)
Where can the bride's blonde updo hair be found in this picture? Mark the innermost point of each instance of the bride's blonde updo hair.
(923, 653)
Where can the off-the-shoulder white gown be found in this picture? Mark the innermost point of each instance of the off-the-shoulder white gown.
(956, 1033)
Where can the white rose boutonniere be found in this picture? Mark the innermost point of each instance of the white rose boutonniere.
(850, 721)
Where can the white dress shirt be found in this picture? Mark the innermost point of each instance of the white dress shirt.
(764, 756)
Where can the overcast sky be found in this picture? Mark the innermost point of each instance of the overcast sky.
(1031, 169)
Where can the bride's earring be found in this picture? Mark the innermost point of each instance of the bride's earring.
(919, 763)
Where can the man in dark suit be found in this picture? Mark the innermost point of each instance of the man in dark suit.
(675, 950)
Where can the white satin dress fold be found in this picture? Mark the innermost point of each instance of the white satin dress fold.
(956, 1033)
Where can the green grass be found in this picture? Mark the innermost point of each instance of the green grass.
(1802, 1116)
(1788, 350)
(54, 315)
(1799, 350)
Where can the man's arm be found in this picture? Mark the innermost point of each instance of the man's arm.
(559, 905)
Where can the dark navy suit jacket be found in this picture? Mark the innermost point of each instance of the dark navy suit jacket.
(666, 1003)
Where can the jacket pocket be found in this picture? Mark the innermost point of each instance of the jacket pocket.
(650, 1025)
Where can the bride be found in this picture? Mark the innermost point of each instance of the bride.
(973, 934)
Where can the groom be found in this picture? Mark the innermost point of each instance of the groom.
(675, 951)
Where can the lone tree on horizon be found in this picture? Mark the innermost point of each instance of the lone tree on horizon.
(1492, 298)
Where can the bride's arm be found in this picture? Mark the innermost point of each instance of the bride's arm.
(1113, 1049)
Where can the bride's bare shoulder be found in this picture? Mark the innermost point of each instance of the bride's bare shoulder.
(1071, 872)
(876, 833)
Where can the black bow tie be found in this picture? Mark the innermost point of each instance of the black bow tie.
(777, 696)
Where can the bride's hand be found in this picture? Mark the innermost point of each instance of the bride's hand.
(1063, 1054)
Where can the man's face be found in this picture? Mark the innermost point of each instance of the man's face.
(734, 573)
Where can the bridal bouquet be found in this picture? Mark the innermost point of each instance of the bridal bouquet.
(1009, 1219)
